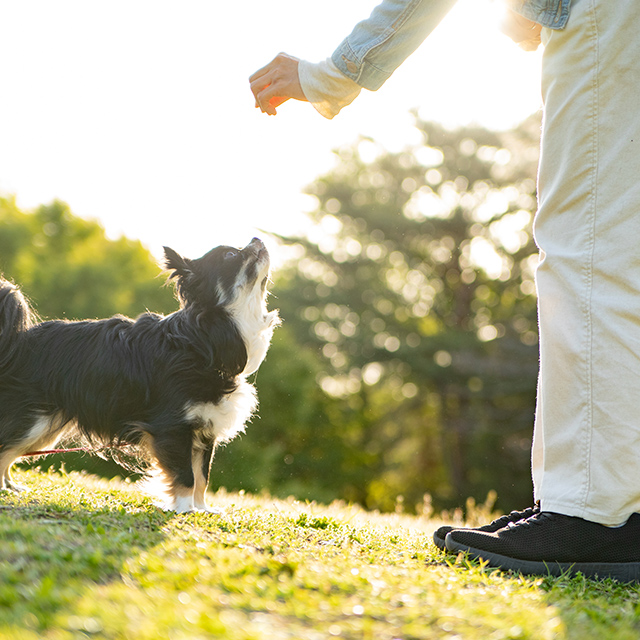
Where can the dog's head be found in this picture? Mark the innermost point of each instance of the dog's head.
(222, 278)
(229, 282)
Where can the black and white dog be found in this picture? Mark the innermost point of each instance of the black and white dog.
(172, 387)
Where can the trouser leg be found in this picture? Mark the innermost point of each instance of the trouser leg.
(586, 452)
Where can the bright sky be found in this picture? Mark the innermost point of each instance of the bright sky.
(138, 112)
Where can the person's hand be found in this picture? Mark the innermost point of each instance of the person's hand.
(522, 31)
(276, 83)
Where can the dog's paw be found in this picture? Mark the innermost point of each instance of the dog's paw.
(213, 510)
(189, 503)
(182, 509)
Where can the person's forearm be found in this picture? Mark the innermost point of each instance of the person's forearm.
(394, 30)
(366, 58)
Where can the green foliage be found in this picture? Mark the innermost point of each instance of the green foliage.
(69, 268)
(82, 558)
(416, 285)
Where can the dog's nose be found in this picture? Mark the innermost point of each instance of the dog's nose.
(256, 246)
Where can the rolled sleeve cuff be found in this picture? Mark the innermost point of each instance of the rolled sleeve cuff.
(326, 87)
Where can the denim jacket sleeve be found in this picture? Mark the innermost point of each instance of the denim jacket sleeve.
(395, 29)
(549, 13)
(378, 45)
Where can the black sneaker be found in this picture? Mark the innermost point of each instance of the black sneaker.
(441, 533)
(554, 544)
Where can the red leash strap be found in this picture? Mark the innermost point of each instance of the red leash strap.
(48, 451)
(71, 450)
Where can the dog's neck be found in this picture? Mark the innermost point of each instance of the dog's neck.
(258, 343)
(256, 326)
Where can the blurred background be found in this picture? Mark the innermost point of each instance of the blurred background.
(404, 374)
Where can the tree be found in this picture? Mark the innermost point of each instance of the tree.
(69, 268)
(416, 285)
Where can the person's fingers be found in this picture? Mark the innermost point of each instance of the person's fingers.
(263, 89)
(274, 102)
(266, 98)
(522, 31)
(258, 86)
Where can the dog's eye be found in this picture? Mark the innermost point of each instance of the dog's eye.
(230, 254)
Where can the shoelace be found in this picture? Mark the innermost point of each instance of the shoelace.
(531, 521)
(512, 517)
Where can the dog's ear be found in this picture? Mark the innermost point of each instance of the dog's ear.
(175, 262)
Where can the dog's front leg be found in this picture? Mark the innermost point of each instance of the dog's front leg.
(202, 458)
(173, 452)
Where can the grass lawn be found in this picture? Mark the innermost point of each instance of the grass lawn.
(85, 558)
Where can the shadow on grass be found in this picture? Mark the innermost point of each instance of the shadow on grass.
(583, 608)
(592, 608)
(58, 541)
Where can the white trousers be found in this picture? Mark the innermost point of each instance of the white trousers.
(586, 446)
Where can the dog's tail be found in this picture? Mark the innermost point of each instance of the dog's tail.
(15, 318)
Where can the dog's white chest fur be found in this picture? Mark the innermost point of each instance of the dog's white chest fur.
(222, 421)
(227, 418)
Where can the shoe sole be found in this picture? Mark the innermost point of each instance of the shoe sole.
(625, 572)
(439, 542)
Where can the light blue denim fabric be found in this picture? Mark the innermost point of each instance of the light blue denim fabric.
(395, 29)
(549, 13)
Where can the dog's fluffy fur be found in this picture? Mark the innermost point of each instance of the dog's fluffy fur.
(169, 388)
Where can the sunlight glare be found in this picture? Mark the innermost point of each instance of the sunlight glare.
(158, 137)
